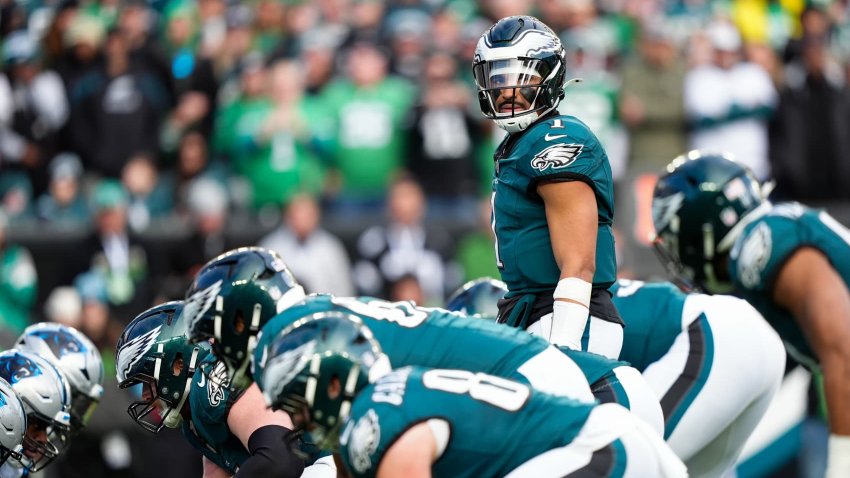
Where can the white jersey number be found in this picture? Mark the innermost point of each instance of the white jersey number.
(507, 395)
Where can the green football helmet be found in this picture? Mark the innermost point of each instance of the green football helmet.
(699, 207)
(153, 351)
(315, 369)
(232, 298)
(478, 298)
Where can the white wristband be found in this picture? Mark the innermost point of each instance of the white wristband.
(838, 460)
(574, 289)
(568, 322)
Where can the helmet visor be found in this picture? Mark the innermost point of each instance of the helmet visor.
(510, 86)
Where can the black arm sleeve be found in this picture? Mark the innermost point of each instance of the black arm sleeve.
(271, 455)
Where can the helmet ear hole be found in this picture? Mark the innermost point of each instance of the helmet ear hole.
(177, 365)
(239, 322)
(334, 387)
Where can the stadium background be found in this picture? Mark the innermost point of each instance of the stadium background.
(139, 139)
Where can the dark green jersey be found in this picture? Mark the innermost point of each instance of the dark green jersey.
(512, 423)
(595, 367)
(412, 335)
(652, 313)
(210, 399)
(560, 148)
(764, 246)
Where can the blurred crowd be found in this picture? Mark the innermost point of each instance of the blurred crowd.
(123, 121)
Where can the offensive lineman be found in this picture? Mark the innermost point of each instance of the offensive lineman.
(717, 231)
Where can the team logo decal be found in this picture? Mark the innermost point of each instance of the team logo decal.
(754, 255)
(199, 303)
(134, 350)
(364, 441)
(664, 209)
(283, 368)
(557, 156)
(218, 381)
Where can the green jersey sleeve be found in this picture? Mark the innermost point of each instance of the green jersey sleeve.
(762, 249)
(210, 399)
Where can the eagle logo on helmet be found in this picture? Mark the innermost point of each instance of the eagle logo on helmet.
(134, 350)
(199, 303)
(664, 209)
(557, 156)
(283, 368)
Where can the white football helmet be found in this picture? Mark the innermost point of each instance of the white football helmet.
(76, 357)
(13, 423)
(46, 396)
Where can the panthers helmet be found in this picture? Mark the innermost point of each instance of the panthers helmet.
(316, 367)
(46, 396)
(699, 207)
(523, 54)
(76, 357)
(153, 351)
(232, 298)
(13, 424)
(478, 298)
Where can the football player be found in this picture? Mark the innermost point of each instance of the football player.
(331, 375)
(47, 398)
(690, 347)
(76, 357)
(249, 289)
(611, 381)
(182, 384)
(552, 191)
(717, 231)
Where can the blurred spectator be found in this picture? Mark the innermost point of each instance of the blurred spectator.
(83, 39)
(268, 25)
(115, 254)
(33, 108)
(316, 257)
(476, 252)
(441, 148)
(150, 197)
(15, 195)
(810, 147)
(64, 203)
(116, 111)
(651, 103)
(54, 38)
(317, 56)
(18, 283)
(406, 287)
(402, 246)
(206, 203)
(189, 71)
(409, 31)
(64, 306)
(189, 115)
(136, 23)
(729, 101)
(368, 110)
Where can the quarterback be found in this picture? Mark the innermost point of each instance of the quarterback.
(552, 191)
(717, 231)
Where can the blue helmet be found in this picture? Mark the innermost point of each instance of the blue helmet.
(478, 298)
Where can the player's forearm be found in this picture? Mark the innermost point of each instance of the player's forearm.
(836, 375)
